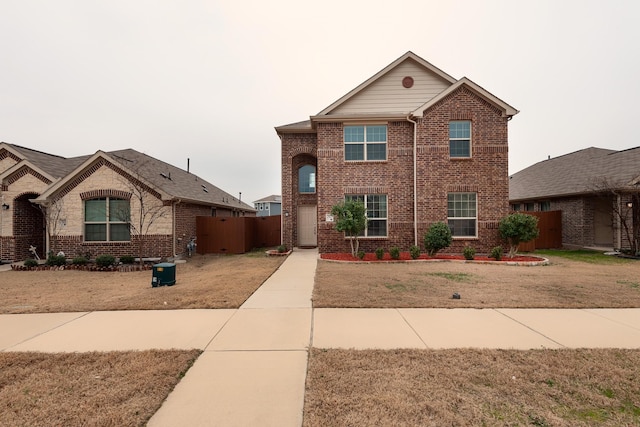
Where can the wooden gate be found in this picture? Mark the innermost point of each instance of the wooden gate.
(550, 227)
(236, 235)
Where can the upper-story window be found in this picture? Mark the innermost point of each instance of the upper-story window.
(106, 220)
(545, 206)
(365, 143)
(460, 139)
(307, 179)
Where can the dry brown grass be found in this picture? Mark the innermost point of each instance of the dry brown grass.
(563, 284)
(88, 389)
(205, 281)
(473, 387)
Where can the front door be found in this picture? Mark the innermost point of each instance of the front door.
(307, 226)
(603, 227)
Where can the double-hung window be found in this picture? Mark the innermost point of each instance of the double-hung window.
(376, 211)
(462, 214)
(365, 143)
(106, 220)
(460, 139)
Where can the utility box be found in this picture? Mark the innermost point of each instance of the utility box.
(164, 274)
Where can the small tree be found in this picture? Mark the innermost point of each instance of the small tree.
(149, 208)
(518, 228)
(351, 219)
(54, 218)
(625, 216)
(437, 237)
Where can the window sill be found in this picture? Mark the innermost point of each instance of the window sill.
(102, 242)
(460, 158)
(358, 162)
(370, 238)
(464, 237)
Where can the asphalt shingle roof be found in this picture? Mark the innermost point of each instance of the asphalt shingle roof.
(575, 173)
(56, 166)
(175, 181)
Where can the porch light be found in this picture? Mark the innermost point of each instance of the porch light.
(629, 204)
(5, 206)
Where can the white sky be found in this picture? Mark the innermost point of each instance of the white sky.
(209, 80)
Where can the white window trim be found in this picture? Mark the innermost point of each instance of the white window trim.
(465, 217)
(364, 143)
(108, 222)
(386, 218)
(315, 171)
(462, 139)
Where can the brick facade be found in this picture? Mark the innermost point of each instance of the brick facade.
(485, 173)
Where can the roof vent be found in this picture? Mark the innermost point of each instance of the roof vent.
(205, 189)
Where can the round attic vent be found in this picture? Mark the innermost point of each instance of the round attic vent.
(407, 82)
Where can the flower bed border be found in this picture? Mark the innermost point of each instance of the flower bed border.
(522, 260)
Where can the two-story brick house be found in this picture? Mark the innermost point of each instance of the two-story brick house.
(416, 145)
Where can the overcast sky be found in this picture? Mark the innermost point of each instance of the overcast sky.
(209, 80)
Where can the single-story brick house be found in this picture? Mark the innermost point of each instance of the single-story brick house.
(416, 145)
(595, 189)
(91, 205)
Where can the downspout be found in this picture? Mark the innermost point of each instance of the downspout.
(619, 223)
(415, 180)
(173, 222)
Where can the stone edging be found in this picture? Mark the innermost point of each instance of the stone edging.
(543, 261)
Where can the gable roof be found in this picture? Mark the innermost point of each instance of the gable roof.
(369, 82)
(48, 164)
(384, 96)
(507, 110)
(576, 173)
(274, 198)
(170, 181)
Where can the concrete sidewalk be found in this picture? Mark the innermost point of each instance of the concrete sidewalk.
(253, 368)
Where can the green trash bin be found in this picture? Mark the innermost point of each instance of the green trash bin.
(164, 274)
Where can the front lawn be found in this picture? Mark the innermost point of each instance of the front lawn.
(572, 280)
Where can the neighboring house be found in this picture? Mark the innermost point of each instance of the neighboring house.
(94, 204)
(268, 206)
(594, 188)
(415, 145)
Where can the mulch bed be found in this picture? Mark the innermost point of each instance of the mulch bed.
(405, 256)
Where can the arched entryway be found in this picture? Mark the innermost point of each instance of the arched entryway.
(305, 200)
(28, 227)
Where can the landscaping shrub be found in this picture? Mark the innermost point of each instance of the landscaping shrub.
(127, 259)
(361, 254)
(79, 260)
(414, 251)
(496, 253)
(516, 228)
(437, 238)
(282, 249)
(30, 263)
(468, 252)
(394, 252)
(379, 253)
(105, 260)
(56, 260)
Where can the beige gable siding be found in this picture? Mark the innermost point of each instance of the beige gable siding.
(6, 163)
(388, 95)
(106, 179)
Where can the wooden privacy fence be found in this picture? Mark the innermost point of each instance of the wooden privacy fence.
(550, 227)
(236, 235)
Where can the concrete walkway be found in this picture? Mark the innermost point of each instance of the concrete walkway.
(253, 368)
